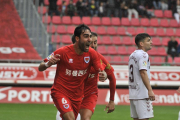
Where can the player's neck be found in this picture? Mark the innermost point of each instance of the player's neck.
(77, 49)
(142, 49)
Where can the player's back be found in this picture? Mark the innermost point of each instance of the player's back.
(138, 60)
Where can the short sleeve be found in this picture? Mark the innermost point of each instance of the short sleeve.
(143, 62)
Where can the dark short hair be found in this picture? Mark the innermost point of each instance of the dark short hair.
(73, 39)
(63, 2)
(79, 29)
(94, 34)
(140, 37)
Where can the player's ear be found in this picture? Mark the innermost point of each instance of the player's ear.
(141, 43)
(77, 38)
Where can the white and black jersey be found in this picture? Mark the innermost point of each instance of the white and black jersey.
(138, 60)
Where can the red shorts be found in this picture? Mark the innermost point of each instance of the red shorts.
(64, 104)
(89, 102)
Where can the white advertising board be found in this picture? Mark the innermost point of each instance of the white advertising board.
(29, 74)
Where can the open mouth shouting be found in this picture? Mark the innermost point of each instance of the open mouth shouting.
(87, 47)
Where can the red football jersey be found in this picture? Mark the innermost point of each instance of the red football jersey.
(91, 84)
(72, 70)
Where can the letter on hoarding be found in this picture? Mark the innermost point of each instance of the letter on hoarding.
(35, 96)
(12, 94)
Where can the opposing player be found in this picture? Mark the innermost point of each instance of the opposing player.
(73, 66)
(91, 89)
(140, 90)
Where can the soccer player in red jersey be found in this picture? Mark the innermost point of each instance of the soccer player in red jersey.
(91, 89)
(73, 65)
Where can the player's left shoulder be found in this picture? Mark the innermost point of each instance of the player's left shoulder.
(91, 50)
(143, 54)
(104, 61)
(101, 56)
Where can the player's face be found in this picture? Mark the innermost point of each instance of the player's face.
(94, 43)
(147, 44)
(85, 40)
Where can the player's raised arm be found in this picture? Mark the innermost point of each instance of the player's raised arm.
(96, 60)
(52, 60)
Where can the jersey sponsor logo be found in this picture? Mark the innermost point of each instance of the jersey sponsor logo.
(66, 106)
(52, 54)
(75, 72)
(86, 59)
(144, 63)
(70, 60)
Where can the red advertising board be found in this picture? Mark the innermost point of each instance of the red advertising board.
(25, 73)
(29, 74)
(42, 95)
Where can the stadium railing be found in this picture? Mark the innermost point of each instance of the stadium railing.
(37, 33)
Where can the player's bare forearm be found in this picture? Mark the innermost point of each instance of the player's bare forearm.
(110, 107)
(42, 67)
(145, 79)
(52, 61)
(146, 82)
